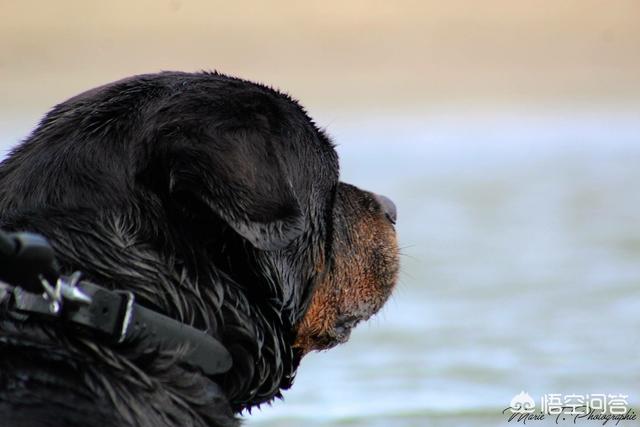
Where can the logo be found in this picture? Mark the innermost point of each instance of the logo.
(602, 408)
(522, 403)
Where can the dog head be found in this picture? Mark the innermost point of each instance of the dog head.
(322, 252)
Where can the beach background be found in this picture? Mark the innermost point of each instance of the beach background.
(507, 133)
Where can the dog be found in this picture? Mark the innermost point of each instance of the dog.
(212, 200)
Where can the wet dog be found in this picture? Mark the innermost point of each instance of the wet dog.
(215, 201)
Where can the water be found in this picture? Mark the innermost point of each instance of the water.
(521, 271)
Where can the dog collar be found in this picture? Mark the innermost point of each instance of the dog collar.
(91, 310)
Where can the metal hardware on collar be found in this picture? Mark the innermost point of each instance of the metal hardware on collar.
(128, 310)
(27, 271)
(82, 305)
(52, 294)
(72, 293)
(115, 317)
(64, 290)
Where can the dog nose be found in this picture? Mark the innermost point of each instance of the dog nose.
(389, 208)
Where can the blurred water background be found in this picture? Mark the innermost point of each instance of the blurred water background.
(508, 134)
(521, 271)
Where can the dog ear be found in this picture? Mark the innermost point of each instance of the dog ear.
(241, 178)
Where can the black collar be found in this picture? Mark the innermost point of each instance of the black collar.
(113, 317)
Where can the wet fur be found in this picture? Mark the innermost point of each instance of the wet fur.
(214, 201)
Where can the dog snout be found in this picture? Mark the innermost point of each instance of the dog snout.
(389, 208)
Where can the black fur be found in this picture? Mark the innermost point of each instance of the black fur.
(207, 196)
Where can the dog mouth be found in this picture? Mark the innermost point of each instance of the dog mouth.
(338, 334)
(329, 325)
(343, 327)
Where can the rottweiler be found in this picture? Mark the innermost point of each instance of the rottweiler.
(211, 200)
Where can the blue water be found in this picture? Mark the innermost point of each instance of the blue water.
(520, 270)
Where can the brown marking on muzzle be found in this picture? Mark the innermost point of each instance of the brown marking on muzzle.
(362, 272)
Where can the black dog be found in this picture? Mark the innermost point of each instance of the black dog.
(216, 202)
